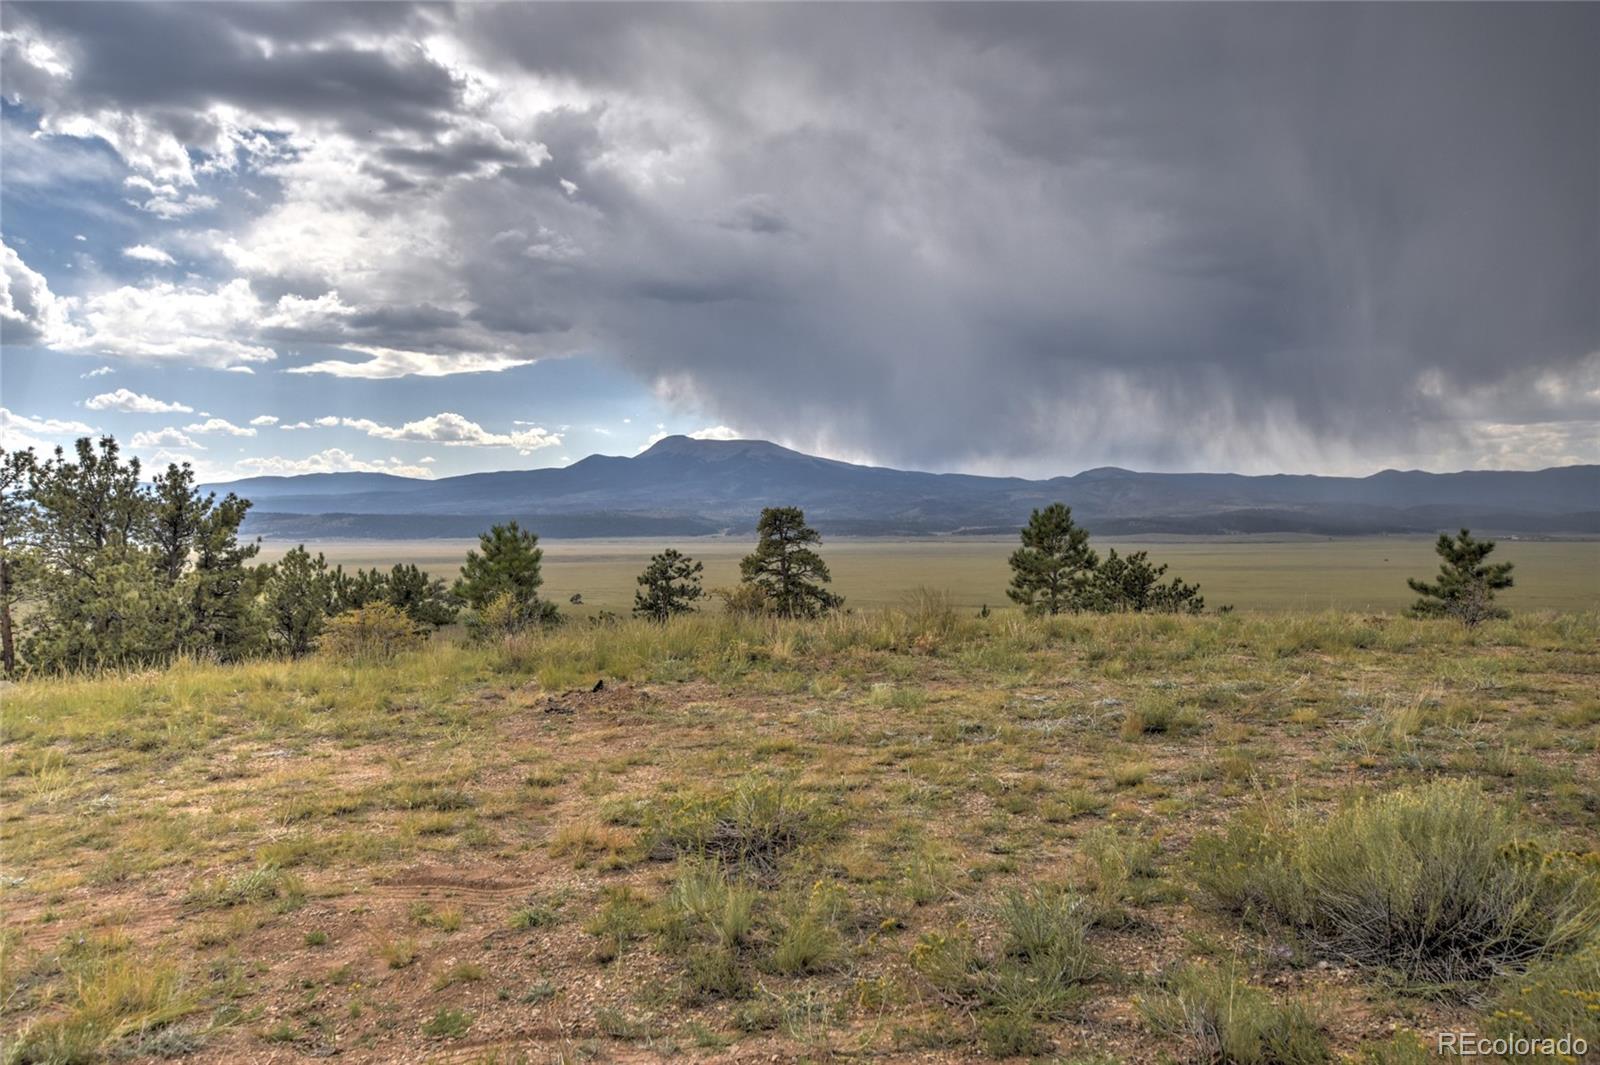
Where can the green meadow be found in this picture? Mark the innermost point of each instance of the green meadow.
(1251, 574)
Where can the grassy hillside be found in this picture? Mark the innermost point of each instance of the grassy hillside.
(900, 834)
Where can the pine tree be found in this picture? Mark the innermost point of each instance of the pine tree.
(1050, 572)
(1176, 597)
(88, 505)
(298, 599)
(787, 571)
(17, 569)
(506, 564)
(101, 599)
(424, 599)
(176, 511)
(352, 591)
(1466, 586)
(195, 550)
(223, 619)
(1130, 583)
(669, 585)
(122, 573)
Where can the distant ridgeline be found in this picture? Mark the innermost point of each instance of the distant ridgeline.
(684, 487)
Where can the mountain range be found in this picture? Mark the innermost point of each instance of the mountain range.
(682, 486)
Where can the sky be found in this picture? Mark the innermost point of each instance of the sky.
(1020, 239)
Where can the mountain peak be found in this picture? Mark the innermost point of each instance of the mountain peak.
(676, 444)
(690, 447)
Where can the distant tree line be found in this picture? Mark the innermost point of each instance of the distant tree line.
(1056, 571)
(98, 568)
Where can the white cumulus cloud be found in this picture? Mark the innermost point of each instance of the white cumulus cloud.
(332, 460)
(168, 437)
(453, 430)
(393, 362)
(130, 402)
(18, 432)
(180, 323)
(219, 425)
(710, 432)
(148, 254)
(29, 312)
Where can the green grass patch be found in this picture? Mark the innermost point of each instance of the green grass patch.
(1437, 882)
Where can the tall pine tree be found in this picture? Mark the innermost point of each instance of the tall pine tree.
(507, 564)
(223, 618)
(785, 567)
(298, 599)
(1051, 571)
(176, 511)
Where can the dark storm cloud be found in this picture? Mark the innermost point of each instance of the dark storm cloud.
(463, 157)
(1148, 234)
(1145, 229)
(173, 60)
(1201, 215)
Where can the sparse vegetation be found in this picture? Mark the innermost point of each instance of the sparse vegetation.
(1224, 1021)
(911, 832)
(108, 994)
(751, 824)
(1438, 882)
(447, 1024)
(1040, 972)
(1559, 995)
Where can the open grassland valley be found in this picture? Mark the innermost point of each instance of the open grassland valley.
(902, 835)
